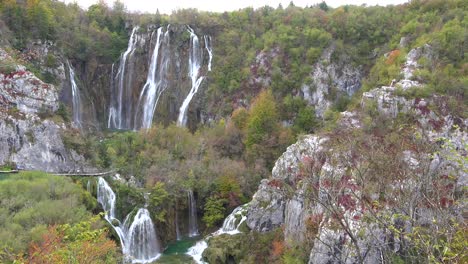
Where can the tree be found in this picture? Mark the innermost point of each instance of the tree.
(263, 119)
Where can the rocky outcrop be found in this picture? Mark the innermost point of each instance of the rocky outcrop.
(330, 78)
(273, 204)
(318, 197)
(25, 138)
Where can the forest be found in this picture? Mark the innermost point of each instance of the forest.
(256, 101)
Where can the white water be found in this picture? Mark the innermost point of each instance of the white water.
(196, 251)
(117, 116)
(209, 49)
(155, 84)
(229, 227)
(76, 98)
(195, 60)
(139, 239)
(193, 226)
(143, 245)
(178, 236)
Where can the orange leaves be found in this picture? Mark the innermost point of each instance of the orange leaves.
(392, 56)
(278, 248)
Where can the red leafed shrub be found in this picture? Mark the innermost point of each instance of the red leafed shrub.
(347, 202)
(275, 183)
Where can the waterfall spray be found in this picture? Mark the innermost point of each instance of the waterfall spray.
(119, 118)
(193, 226)
(76, 98)
(138, 238)
(195, 60)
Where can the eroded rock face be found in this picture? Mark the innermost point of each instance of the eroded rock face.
(33, 144)
(304, 182)
(273, 205)
(25, 139)
(329, 74)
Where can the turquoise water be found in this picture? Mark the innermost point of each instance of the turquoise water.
(175, 252)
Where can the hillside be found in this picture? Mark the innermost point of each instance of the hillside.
(270, 135)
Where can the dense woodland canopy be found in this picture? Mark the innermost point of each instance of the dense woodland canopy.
(224, 161)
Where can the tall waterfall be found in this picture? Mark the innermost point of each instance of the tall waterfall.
(195, 62)
(209, 49)
(138, 238)
(178, 236)
(119, 112)
(76, 98)
(193, 226)
(155, 82)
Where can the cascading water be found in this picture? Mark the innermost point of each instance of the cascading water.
(76, 98)
(178, 236)
(120, 114)
(195, 61)
(209, 49)
(232, 223)
(88, 186)
(193, 227)
(139, 239)
(155, 83)
(143, 244)
(229, 227)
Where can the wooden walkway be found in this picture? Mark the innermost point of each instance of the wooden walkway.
(9, 171)
(88, 174)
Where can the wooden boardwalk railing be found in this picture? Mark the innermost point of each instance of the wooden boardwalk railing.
(87, 174)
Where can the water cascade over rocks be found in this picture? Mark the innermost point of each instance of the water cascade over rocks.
(230, 226)
(138, 238)
(232, 223)
(195, 61)
(174, 68)
(120, 111)
(76, 98)
(155, 82)
(193, 227)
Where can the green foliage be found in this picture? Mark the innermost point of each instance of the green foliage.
(63, 113)
(263, 119)
(214, 211)
(31, 201)
(83, 242)
(157, 199)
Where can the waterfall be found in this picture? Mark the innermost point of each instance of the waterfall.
(178, 236)
(88, 186)
(231, 224)
(111, 121)
(197, 250)
(76, 98)
(193, 227)
(138, 238)
(209, 49)
(119, 117)
(143, 244)
(195, 60)
(229, 227)
(155, 83)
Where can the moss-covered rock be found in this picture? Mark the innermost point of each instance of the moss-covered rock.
(226, 249)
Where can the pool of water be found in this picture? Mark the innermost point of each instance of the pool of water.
(175, 252)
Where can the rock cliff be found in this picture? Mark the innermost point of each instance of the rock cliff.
(26, 137)
(326, 193)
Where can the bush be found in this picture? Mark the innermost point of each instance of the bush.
(31, 201)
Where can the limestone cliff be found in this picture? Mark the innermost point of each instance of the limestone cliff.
(325, 194)
(26, 137)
